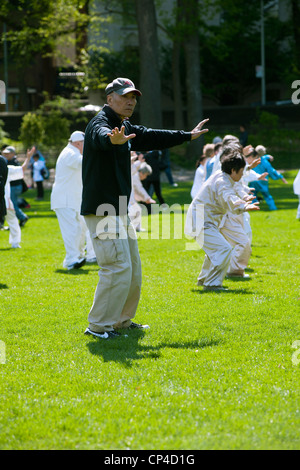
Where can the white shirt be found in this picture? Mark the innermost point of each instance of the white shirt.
(217, 163)
(217, 196)
(140, 193)
(38, 165)
(296, 184)
(14, 173)
(198, 180)
(67, 187)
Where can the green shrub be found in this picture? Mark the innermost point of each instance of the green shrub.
(3, 134)
(32, 130)
(56, 129)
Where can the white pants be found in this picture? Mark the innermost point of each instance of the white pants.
(75, 236)
(298, 210)
(135, 215)
(217, 257)
(14, 227)
(233, 229)
(247, 226)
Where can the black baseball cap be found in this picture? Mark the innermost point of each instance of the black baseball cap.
(121, 86)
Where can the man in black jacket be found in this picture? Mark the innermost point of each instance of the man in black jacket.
(106, 173)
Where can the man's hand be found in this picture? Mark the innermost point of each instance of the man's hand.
(284, 180)
(197, 131)
(150, 201)
(118, 137)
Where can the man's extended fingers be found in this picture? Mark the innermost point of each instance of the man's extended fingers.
(202, 123)
(131, 136)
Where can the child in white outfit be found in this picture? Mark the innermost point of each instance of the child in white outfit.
(218, 196)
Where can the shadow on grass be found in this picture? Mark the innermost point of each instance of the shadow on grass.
(75, 272)
(224, 292)
(3, 286)
(126, 348)
(42, 214)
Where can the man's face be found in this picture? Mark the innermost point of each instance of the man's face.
(123, 105)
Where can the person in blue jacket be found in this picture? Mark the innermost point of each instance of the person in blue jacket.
(262, 186)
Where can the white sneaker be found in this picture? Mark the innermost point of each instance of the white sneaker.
(138, 326)
(91, 260)
(16, 245)
(103, 335)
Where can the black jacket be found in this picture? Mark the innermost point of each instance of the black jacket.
(106, 168)
(153, 159)
(3, 178)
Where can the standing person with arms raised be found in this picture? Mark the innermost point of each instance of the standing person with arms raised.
(106, 173)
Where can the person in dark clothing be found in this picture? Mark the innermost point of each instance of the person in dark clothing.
(3, 178)
(153, 159)
(106, 177)
(243, 137)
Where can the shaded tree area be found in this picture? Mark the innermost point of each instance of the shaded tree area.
(35, 30)
(296, 34)
(231, 51)
(210, 49)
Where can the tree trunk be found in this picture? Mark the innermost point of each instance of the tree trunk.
(176, 75)
(150, 85)
(193, 75)
(296, 30)
(24, 104)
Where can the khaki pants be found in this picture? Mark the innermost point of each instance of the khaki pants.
(120, 277)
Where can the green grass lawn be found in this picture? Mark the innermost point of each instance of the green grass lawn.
(215, 371)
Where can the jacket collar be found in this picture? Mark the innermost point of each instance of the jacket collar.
(111, 114)
(114, 116)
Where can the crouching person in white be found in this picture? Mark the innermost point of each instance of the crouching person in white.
(66, 201)
(218, 196)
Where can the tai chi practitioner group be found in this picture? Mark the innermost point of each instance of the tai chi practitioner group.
(220, 196)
